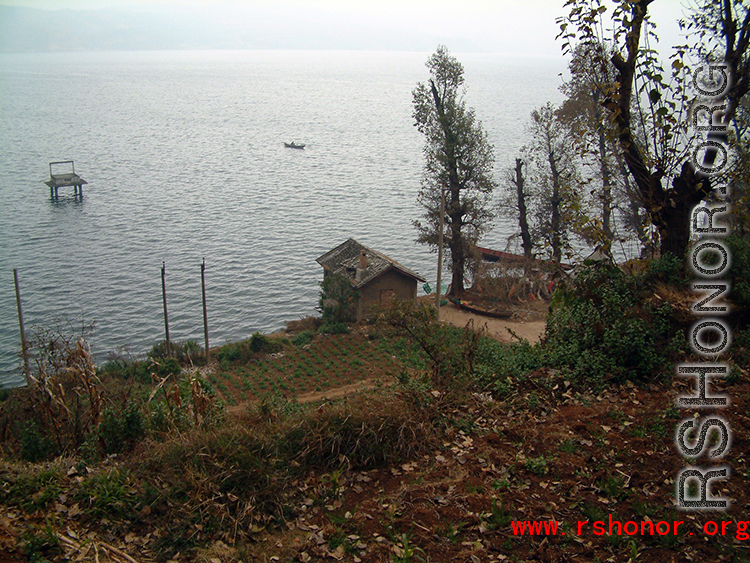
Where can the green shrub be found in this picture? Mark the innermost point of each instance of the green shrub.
(229, 353)
(337, 299)
(333, 328)
(258, 462)
(667, 269)
(120, 430)
(33, 488)
(451, 350)
(166, 367)
(36, 445)
(260, 343)
(122, 368)
(496, 361)
(246, 350)
(303, 338)
(107, 494)
(603, 325)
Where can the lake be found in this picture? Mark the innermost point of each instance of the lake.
(184, 157)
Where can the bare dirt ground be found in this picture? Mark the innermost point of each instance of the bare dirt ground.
(545, 454)
(527, 321)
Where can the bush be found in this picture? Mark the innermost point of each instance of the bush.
(667, 269)
(123, 368)
(255, 462)
(118, 431)
(334, 328)
(107, 493)
(260, 343)
(229, 353)
(337, 299)
(451, 350)
(35, 445)
(496, 361)
(243, 352)
(603, 325)
(166, 367)
(303, 338)
(65, 393)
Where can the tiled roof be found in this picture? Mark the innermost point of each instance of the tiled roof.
(344, 261)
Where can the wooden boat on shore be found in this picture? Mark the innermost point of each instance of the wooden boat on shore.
(461, 304)
(294, 145)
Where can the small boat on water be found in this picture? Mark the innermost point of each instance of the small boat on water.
(294, 145)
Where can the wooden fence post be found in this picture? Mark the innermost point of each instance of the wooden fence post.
(24, 346)
(205, 314)
(164, 298)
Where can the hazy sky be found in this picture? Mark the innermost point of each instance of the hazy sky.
(517, 26)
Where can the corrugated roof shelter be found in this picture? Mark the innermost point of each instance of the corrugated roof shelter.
(378, 279)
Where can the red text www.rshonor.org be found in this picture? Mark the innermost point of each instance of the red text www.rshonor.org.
(614, 527)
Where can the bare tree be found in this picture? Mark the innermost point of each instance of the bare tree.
(558, 213)
(517, 178)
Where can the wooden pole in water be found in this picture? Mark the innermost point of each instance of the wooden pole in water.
(24, 347)
(164, 298)
(205, 314)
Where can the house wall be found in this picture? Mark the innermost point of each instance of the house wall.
(402, 288)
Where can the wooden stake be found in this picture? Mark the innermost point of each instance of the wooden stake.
(24, 346)
(205, 314)
(164, 298)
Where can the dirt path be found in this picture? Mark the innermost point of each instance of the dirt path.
(344, 390)
(531, 329)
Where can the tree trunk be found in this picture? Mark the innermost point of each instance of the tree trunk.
(455, 210)
(523, 221)
(688, 190)
(556, 201)
(606, 197)
(458, 255)
(606, 186)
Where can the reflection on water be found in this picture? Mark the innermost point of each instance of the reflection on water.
(66, 201)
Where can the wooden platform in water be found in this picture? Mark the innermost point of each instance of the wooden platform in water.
(64, 179)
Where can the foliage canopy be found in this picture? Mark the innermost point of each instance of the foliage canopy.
(458, 164)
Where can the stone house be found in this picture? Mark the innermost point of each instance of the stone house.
(378, 279)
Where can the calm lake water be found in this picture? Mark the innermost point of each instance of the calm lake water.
(184, 156)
